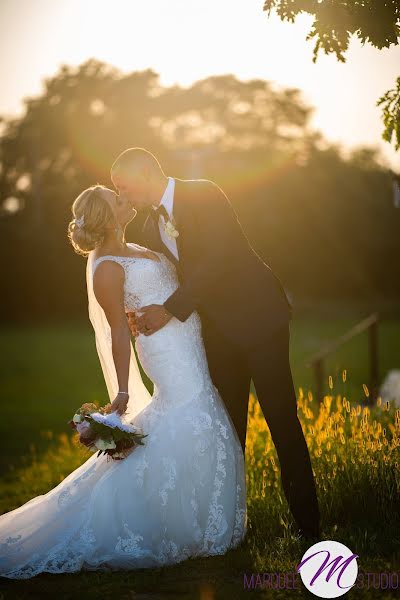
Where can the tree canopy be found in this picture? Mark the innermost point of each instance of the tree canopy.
(335, 21)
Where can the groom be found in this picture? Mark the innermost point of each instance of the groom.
(243, 308)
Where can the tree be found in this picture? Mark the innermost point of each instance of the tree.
(70, 134)
(335, 21)
(391, 114)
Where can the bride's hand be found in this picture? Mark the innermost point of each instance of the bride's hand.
(131, 316)
(119, 404)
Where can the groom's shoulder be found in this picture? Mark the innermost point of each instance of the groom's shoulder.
(194, 184)
(201, 188)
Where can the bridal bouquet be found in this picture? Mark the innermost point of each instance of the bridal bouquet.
(105, 432)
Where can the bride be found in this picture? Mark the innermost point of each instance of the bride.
(182, 494)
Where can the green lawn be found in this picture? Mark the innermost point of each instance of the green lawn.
(48, 372)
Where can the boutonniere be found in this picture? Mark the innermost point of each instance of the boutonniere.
(170, 230)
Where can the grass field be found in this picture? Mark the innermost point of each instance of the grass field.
(47, 373)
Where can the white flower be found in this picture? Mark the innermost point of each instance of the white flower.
(170, 230)
(99, 417)
(77, 418)
(104, 444)
(390, 388)
(113, 419)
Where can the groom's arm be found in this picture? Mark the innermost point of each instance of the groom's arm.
(214, 220)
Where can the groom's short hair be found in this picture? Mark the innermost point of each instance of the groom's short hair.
(134, 159)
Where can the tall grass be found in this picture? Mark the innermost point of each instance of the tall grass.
(355, 457)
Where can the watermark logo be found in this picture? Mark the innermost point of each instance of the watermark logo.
(328, 569)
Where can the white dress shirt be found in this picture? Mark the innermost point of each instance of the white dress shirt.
(168, 201)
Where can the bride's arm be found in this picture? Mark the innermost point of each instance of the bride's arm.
(108, 287)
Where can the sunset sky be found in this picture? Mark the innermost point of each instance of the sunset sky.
(186, 40)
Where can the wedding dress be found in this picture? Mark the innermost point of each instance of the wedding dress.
(181, 495)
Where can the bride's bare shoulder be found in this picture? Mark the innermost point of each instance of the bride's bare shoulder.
(108, 281)
(107, 271)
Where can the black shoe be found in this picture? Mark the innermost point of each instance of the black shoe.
(309, 535)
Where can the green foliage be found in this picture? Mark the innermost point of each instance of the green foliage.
(391, 114)
(335, 21)
(103, 431)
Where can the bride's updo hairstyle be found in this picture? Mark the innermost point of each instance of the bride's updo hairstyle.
(92, 213)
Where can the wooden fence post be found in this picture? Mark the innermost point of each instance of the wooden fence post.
(369, 324)
(373, 361)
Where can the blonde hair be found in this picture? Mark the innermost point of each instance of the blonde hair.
(92, 213)
(134, 159)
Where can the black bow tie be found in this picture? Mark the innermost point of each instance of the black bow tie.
(160, 210)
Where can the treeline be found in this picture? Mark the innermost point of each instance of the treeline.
(326, 224)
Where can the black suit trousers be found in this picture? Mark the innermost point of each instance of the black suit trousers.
(232, 366)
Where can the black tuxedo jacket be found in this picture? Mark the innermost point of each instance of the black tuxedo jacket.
(220, 274)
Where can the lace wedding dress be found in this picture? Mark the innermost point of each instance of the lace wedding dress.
(181, 495)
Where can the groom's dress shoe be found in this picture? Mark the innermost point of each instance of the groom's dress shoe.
(309, 535)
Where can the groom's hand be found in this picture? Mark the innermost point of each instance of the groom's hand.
(153, 318)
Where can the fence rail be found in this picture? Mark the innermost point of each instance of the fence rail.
(316, 362)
